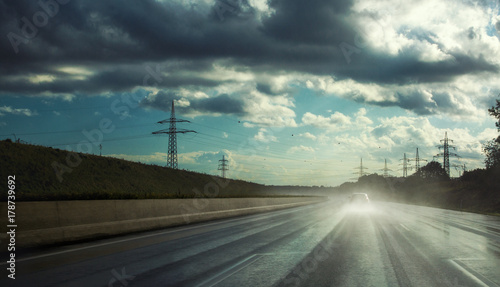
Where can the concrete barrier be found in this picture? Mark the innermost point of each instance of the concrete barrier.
(55, 222)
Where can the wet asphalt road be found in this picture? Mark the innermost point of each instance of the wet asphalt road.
(324, 244)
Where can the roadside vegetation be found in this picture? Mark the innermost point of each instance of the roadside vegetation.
(101, 177)
(476, 190)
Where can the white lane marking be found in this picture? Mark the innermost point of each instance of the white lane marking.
(221, 276)
(402, 225)
(472, 274)
(280, 212)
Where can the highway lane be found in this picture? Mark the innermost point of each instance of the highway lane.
(326, 244)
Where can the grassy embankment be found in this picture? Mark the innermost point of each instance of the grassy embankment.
(100, 177)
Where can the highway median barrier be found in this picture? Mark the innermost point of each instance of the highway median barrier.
(57, 222)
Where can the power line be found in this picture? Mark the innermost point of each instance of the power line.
(108, 140)
(72, 131)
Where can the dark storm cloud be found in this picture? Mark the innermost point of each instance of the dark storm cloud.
(116, 79)
(414, 101)
(315, 22)
(219, 104)
(471, 34)
(115, 39)
(405, 68)
(419, 102)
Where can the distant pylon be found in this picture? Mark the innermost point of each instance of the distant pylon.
(361, 171)
(446, 153)
(172, 137)
(385, 169)
(461, 169)
(223, 166)
(417, 161)
(405, 165)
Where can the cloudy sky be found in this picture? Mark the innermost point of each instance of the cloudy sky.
(290, 91)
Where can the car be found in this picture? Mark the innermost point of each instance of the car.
(359, 198)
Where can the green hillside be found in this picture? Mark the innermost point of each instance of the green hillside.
(84, 176)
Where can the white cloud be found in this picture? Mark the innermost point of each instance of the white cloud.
(223, 72)
(361, 119)
(461, 99)
(157, 157)
(43, 78)
(13, 111)
(430, 29)
(269, 111)
(300, 148)
(487, 134)
(76, 73)
(265, 136)
(336, 121)
(308, 135)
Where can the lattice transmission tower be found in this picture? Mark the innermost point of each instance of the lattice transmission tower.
(446, 152)
(223, 166)
(172, 132)
(405, 165)
(460, 168)
(361, 169)
(417, 160)
(385, 169)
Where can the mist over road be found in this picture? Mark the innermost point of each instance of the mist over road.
(326, 244)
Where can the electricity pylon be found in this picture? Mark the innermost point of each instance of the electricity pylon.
(361, 171)
(385, 169)
(172, 137)
(460, 168)
(446, 153)
(417, 161)
(223, 166)
(405, 165)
